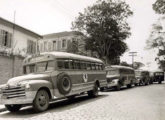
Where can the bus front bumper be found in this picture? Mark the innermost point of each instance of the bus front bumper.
(27, 99)
(112, 84)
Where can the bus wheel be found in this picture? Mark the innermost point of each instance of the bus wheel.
(118, 87)
(94, 92)
(13, 108)
(129, 85)
(41, 101)
(64, 84)
(102, 89)
(160, 82)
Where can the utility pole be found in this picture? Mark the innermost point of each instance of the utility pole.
(13, 45)
(132, 54)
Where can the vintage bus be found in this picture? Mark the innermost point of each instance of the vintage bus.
(51, 76)
(158, 76)
(143, 77)
(118, 76)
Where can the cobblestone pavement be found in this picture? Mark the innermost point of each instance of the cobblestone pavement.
(138, 103)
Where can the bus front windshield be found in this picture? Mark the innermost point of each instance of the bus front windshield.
(39, 67)
(113, 72)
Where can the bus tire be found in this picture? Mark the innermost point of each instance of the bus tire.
(64, 84)
(13, 108)
(118, 87)
(41, 101)
(129, 85)
(94, 92)
(160, 82)
(102, 89)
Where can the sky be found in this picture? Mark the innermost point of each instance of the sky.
(51, 16)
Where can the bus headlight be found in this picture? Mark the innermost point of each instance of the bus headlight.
(115, 80)
(25, 84)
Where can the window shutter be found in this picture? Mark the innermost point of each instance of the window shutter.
(1, 37)
(34, 47)
(9, 40)
(28, 46)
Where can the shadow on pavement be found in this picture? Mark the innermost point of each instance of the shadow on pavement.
(57, 106)
(124, 88)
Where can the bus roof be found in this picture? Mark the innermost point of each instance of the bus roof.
(118, 67)
(67, 55)
(141, 70)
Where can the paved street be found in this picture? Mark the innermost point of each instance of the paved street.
(138, 103)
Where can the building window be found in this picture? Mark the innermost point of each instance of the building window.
(54, 45)
(49, 46)
(64, 43)
(45, 46)
(31, 47)
(5, 38)
(74, 40)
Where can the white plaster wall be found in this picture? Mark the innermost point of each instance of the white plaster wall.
(50, 40)
(20, 38)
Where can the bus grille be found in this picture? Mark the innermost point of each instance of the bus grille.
(13, 92)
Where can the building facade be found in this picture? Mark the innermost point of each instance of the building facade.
(16, 39)
(15, 42)
(64, 41)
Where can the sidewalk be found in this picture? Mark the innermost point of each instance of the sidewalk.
(2, 108)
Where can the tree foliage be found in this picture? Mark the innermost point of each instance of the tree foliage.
(105, 25)
(159, 6)
(138, 65)
(72, 47)
(124, 63)
(156, 41)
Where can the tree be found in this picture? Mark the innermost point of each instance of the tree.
(123, 63)
(159, 6)
(138, 65)
(156, 40)
(105, 26)
(72, 47)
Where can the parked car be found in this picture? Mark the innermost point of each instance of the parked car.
(142, 77)
(158, 76)
(118, 76)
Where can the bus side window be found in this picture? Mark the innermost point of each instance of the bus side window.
(50, 66)
(97, 66)
(102, 67)
(66, 64)
(89, 66)
(77, 64)
(83, 65)
(93, 66)
(72, 64)
(60, 64)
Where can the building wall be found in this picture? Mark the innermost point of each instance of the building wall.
(6, 68)
(49, 44)
(20, 43)
(20, 38)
